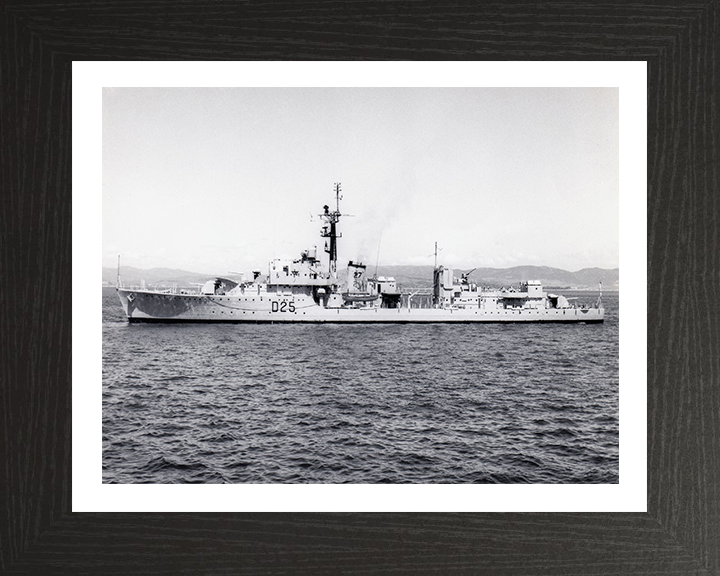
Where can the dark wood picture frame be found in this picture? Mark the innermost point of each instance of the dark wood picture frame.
(680, 533)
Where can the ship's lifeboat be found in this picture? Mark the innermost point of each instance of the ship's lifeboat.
(357, 297)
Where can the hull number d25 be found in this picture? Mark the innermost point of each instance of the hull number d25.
(282, 306)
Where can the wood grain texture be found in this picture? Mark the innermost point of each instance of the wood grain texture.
(681, 532)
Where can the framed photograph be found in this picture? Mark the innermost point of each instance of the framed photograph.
(62, 509)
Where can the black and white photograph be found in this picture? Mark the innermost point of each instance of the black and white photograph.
(360, 285)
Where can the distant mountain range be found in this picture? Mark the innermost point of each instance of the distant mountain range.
(408, 277)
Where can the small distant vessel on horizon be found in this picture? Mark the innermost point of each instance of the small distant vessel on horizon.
(303, 290)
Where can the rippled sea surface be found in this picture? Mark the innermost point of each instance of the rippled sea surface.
(432, 403)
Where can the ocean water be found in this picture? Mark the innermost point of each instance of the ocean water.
(323, 403)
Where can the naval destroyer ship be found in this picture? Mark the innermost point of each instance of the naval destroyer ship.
(305, 290)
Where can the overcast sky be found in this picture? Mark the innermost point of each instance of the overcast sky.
(224, 180)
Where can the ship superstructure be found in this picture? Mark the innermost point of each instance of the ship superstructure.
(304, 290)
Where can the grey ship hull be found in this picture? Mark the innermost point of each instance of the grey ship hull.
(147, 306)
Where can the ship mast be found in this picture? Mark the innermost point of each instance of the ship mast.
(329, 230)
